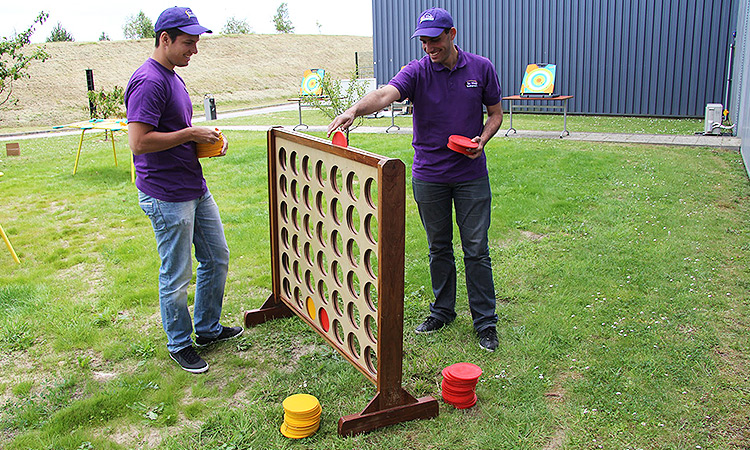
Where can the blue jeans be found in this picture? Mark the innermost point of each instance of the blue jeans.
(473, 203)
(177, 227)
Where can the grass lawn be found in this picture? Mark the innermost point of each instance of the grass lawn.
(622, 283)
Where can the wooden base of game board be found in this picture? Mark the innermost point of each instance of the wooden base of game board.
(271, 309)
(375, 416)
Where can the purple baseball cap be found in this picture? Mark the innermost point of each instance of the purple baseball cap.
(432, 22)
(181, 18)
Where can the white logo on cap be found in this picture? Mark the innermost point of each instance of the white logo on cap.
(425, 17)
(189, 13)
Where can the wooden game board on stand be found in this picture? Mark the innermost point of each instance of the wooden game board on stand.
(337, 219)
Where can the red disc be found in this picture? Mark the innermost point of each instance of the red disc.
(463, 141)
(464, 371)
(458, 148)
(339, 138)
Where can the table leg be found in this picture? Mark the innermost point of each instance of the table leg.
(393, 121)
(132, 168)
(510, 110)
(10, 247)
(300, 124)
(78, 155)
(565, 131)
(114, 152)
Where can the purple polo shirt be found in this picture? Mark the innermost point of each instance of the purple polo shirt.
(157, 96)
(447, 102)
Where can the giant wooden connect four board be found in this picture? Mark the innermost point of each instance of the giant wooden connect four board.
(337, 257)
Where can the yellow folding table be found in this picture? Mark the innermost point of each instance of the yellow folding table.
(110, 125)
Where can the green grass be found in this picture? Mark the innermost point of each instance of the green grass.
(621, 275)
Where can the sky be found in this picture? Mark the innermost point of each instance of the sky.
(87, 20)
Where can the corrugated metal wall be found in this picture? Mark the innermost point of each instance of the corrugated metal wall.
(741, 81)
(623, 57)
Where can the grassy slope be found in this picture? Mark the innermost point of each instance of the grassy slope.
(238, 70)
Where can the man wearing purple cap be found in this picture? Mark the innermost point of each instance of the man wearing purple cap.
(448, 88)
(173, 192)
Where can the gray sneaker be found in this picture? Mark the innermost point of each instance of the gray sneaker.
(189, 360)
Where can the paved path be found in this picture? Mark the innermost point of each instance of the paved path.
(721, 142)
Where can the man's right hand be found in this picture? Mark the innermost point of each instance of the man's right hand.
(342, 121)
(205, 135)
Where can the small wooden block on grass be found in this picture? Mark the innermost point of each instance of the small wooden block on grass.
(13, 149)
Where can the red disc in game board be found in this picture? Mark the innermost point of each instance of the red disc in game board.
(461, 144)
(339, 138)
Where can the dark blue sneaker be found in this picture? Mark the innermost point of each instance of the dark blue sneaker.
(488, 339)
(429, 325)
(189, 360)
(226, 333)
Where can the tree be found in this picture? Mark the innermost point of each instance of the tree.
(14, 61)
(281, 20)
(338, 96)
(138, 27)
(108, 104)
(60, 34)
(104, 37)
(236, 26)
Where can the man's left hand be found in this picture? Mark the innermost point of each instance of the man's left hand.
(474, 153)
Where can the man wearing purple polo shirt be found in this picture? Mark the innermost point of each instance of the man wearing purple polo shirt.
(448, 87)
(173, 192)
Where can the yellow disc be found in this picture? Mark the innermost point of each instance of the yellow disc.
(301, 423)
(301, 404)
(291, 434)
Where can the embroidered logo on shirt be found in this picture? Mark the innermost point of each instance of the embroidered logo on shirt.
(472, 84)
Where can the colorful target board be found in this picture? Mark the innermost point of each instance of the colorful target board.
(312, 82)
(539, 79)
(337, 219)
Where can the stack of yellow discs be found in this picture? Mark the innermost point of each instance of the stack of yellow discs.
(301, 416)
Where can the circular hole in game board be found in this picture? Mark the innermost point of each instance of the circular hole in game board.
(353, 313)
(371, 193)
(352, 185)
(294, 189)
(337, 211)
(285, 263)
(310, 304)
(354, 347)
(295, 269)
(283, 186)
(323, 291)
(294, 162)
(309, 281)
(284, 212)
(298, 297)
(306, 167)
(371, 263)
(309, 255)
(352, 251)
(371, 296)
(320, 203)
(320, 173)
(352, 282)
(371, 328)
(282, 158)
(322, 263)
(307, 225)
(285, 238)
(286, 285)
(338, 273)
(295, 245)
(322, 234)
(371, 360)
(338, 303)
(338, 331)
(337, 242)
(323, 316)
(307, 197)
(337, 179)
(371, 228)
(295, 218)
(352, 219)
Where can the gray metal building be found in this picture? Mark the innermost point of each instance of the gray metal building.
(664, 58)
(741, 80)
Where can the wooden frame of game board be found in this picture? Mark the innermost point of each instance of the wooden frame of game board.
(392, 404)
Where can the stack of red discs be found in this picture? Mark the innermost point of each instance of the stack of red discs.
(459, 381)
(461, 144)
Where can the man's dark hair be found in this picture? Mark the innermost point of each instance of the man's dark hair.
(171, 32)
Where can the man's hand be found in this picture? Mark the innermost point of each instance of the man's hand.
(474, 153)
(204, 135)
(343, 121)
